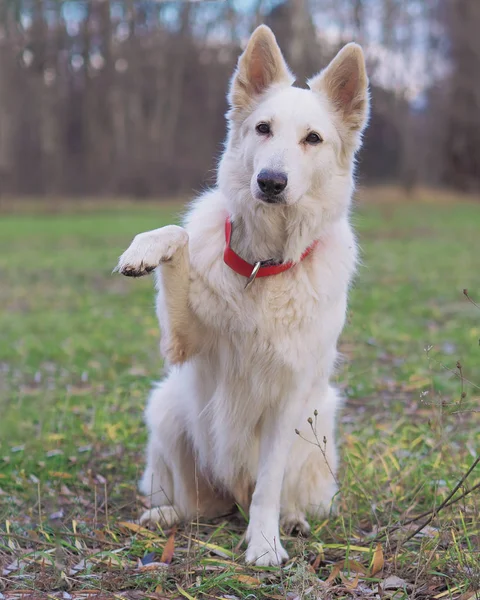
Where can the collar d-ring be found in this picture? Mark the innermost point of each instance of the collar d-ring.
(253, 274)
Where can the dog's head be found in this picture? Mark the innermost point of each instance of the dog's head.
(287, 145)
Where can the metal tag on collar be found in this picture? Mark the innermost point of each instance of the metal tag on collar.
(253, 274)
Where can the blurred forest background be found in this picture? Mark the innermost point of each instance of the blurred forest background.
(127, 97)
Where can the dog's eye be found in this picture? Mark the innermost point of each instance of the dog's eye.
(313, 138)
(263, 128)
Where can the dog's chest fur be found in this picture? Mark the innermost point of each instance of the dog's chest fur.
(292, 314)
(257, 320)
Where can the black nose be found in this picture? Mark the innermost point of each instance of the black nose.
(272, 183)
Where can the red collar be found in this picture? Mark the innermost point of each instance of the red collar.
(242, 267)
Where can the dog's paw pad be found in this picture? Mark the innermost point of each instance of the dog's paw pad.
(131, 271)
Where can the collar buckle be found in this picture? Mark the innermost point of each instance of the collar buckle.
(253, 274)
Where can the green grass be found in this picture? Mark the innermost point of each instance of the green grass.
(78, 352)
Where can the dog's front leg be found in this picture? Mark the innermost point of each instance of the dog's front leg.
(165, 251)
(263, 533)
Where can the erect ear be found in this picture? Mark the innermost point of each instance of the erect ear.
(345, 82)
(260, 66)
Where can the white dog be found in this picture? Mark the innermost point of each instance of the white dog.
(252, 297)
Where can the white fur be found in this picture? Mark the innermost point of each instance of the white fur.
(248, 367)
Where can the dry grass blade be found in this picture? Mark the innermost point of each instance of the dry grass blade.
(185, 593)
(138, 529)
(218, 550)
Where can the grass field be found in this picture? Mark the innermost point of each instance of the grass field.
(78, 352)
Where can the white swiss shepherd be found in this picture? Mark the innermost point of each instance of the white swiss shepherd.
(249, 364)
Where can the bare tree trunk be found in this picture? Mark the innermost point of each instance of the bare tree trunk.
(462, 144)
(104, 143)
(87, 104)
(302, 38)
(359, 20)
(7, 117)
(176, 95)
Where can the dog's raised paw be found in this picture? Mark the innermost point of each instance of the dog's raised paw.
(150, 249)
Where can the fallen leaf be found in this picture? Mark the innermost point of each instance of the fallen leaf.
(167, 554)
(56, 515)
(100, 536)
(350, 565)
(55, 437)
(81, 566)
(247, 580)
(55, 452)
(394, 583)
(351, 584)
(14, 566)
(60, 475)
(112, 431)
(378, 561)
(148, 558)
(153, 566)
(316, 562)
(356, 567)
(84, 448)
(33, 535)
